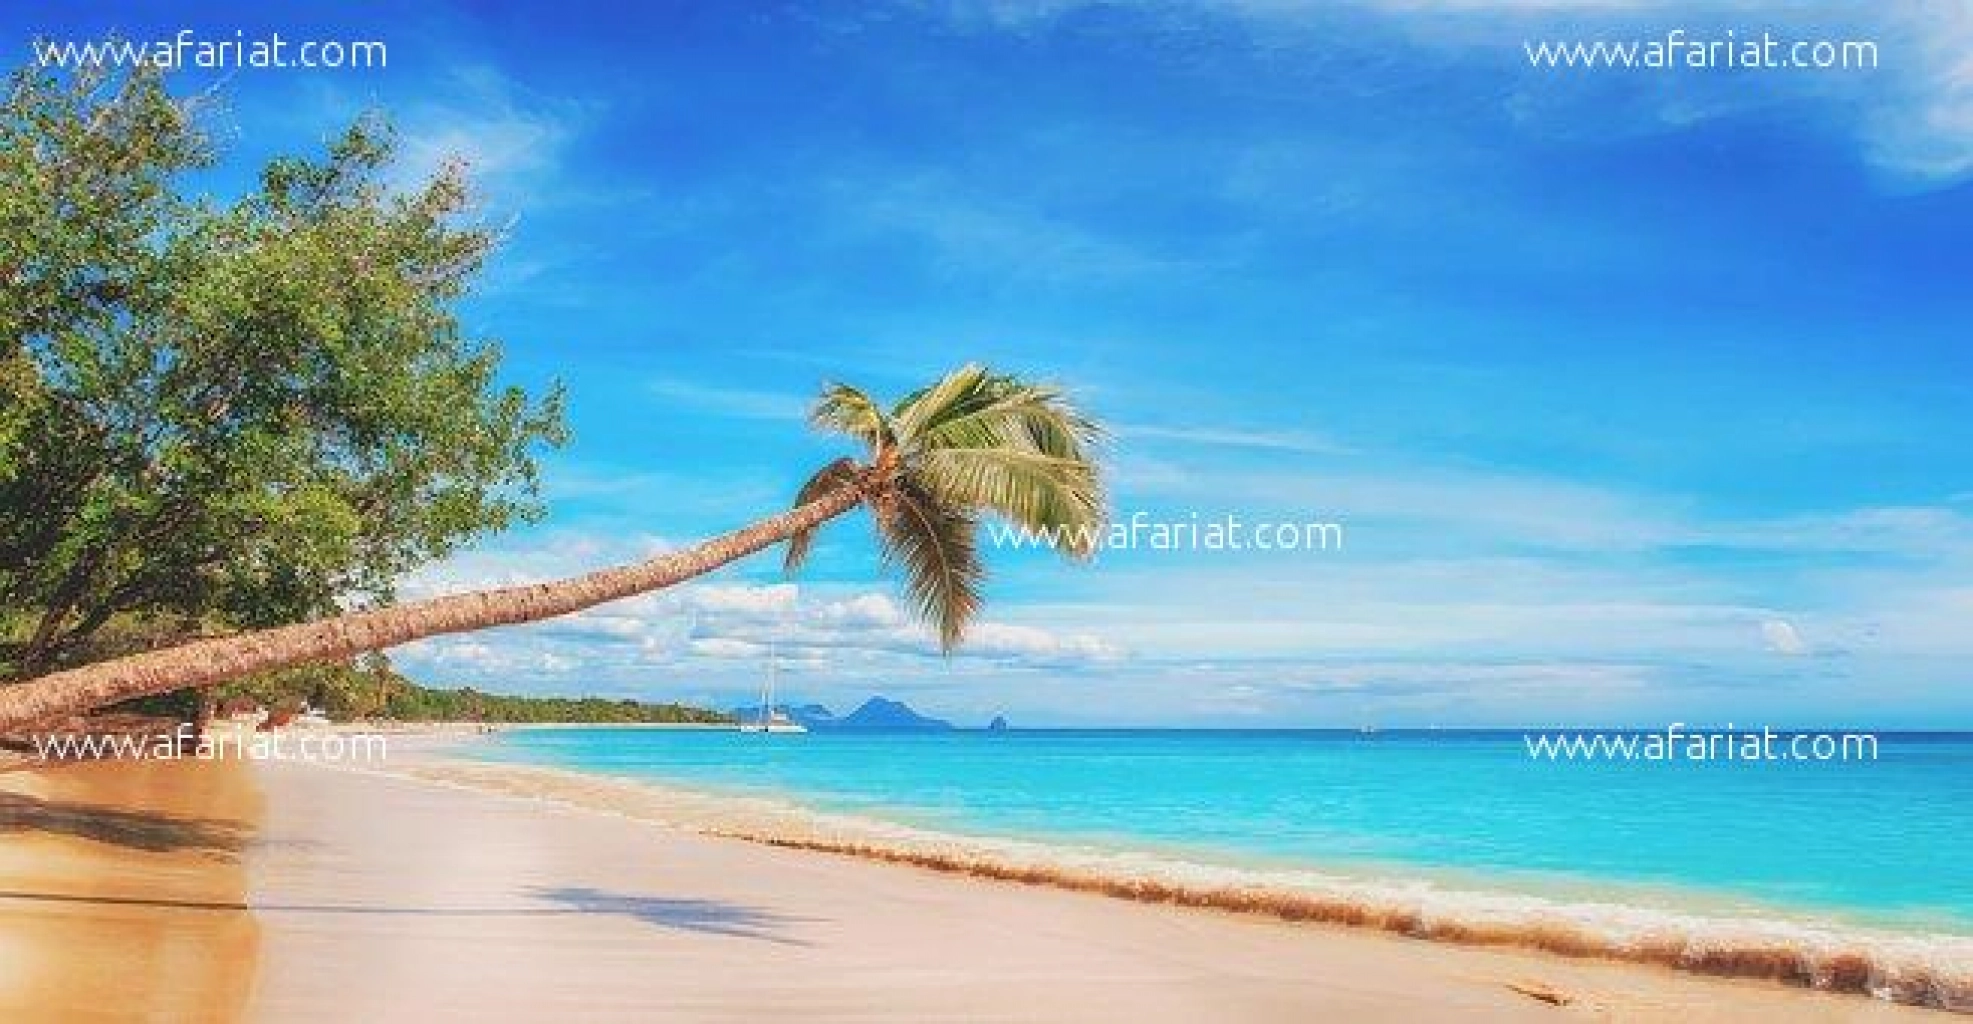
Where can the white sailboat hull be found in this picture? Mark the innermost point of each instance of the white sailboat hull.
(773, 727)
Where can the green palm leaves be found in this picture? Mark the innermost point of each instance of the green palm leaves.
(974, 444)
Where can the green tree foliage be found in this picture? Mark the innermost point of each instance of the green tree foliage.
(371, 689)
(425, 704)
(230, 414)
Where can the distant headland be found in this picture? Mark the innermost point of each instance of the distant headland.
(877, 713)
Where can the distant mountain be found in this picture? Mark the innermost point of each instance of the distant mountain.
(876, 713)
(815, 716)
(999, 724)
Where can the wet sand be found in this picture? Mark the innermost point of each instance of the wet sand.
(122, 888)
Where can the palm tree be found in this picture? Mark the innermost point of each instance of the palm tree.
(973, 444)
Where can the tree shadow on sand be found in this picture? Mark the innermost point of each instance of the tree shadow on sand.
(709, 916)
(137, 830)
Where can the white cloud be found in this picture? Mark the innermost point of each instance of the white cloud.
(993, 638)
(721, 647)
(1781, 637)
(535, 559)
(753, 603)
(482, 658)
(865, 610)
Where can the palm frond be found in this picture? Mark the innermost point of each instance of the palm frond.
(1004, 411)
(848, 410)
(839, 473)
(951, 396)
(1021, 450)
(1050, 495)
(936, 545)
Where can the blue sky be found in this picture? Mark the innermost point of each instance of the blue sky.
(1642, 396)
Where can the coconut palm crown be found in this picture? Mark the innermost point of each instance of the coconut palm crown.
(975, 443)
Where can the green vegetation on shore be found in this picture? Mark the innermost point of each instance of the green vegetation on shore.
(426, 704)
(370, 689)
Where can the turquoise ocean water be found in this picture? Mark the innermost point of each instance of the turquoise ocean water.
(1886, 843)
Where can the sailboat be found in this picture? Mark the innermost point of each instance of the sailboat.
(771, 718)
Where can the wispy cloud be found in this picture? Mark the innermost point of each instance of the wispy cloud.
(738, 403)
(511, 139)
(1002, 233)
(1267, 440)
(1912, 116)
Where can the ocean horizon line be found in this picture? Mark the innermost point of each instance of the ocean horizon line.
(1685, 729)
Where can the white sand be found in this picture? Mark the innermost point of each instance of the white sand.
(384, 898)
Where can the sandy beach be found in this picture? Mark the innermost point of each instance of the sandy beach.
(279, 892)
(433, 899)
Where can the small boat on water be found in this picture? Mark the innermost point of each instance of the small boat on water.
(772, 719)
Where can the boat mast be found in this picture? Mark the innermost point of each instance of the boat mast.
(767, 692)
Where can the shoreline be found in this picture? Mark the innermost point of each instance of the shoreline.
(1909, 968)
(780, 809)
(598, 912)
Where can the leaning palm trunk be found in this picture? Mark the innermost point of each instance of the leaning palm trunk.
(974, 443)
(211, 661)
